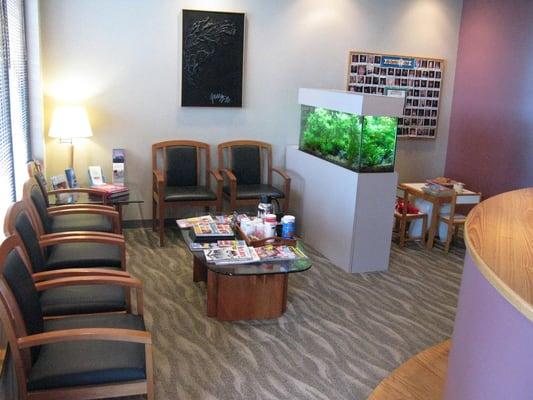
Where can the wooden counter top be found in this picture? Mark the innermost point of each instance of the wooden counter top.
(499, 236)
(419, 378)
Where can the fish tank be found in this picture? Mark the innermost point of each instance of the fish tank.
(362, 143)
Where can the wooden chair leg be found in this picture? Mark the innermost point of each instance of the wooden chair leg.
(154, 214)
(424, 228)
(161, 225)
(402, 232)
(448, 238)
(149, 373)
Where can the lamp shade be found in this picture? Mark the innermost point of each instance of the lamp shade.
(70, 122)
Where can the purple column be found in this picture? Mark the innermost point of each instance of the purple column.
(492, 345)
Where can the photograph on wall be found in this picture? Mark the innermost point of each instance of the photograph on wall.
(417, 79)
(212, 59)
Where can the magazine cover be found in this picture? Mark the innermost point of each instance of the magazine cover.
(212, 229)
(71, 178)
(96, 177)
(187, 223)
(228, 255)
(278, 253)
(118, 166)
(59, 182)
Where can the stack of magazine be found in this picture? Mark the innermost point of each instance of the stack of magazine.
(242, 254)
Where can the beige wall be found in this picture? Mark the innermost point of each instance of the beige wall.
(121, 59)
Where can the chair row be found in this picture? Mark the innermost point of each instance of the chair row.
(67, 303)
(182, 177)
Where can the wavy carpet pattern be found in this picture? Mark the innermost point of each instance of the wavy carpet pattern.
(342, 333)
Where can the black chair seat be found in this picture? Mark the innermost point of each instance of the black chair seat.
(71, 364)
(83, 255)
(83, 299)
(255, 191)
(80, 222)
(188, 193)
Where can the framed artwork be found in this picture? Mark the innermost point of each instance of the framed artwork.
(417, 79)
(212, 59)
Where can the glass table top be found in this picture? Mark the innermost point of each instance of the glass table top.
(256, 268)
(132, 197)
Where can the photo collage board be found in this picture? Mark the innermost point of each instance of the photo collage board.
(417, 79)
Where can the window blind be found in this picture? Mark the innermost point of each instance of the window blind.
(14, 120)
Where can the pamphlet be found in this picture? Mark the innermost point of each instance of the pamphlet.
(71, 178)
(118, 166)
(96, 177)
(59, 182)
(279, 253)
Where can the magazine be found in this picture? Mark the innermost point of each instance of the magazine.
(229, 255)
(112, 190)
(59, 182)
(187, 223)
(279, 253)
(211, 229)
(71, 178)
(216, 245)
(118, 166)
(96, 177)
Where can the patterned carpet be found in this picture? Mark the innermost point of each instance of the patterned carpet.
(342, 333)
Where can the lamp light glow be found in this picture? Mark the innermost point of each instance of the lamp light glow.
(70, 122)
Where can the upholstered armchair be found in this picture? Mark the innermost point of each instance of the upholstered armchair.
(182, 178)
(246, 166)
(77, 357)
(86, 217)
(62, 257)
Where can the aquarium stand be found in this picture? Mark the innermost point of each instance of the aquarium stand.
(345, 215)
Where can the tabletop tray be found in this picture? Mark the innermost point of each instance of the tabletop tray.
(274, 241)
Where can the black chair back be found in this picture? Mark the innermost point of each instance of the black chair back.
(22, 287)
(30, 241)
(181, 167)
(246, 164)
(39, 202)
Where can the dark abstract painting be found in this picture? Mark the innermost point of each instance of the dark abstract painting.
(212, 59)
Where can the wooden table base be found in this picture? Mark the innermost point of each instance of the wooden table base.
(241, 297)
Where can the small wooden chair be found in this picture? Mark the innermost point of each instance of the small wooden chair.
(242, 163)
(453, 220)
(402, 218)
(179, 181)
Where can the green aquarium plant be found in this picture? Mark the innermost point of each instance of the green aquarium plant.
(360, 143)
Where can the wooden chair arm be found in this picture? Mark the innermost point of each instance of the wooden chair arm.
(80, 205)
(45, 240)
(89, 280)
(216, 175)
(158, 182)
(86, 209)
(71, 272)
(281, 173)
(85, 334)
(229, 174)
(82, 233)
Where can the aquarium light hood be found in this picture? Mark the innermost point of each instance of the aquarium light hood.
(353, 103)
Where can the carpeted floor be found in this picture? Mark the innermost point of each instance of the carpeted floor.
(342, 333)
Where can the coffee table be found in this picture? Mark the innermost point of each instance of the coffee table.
(245, 291)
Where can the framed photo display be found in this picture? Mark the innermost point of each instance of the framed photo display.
(212, 59)
(417, 79)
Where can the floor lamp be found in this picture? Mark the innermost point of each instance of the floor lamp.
(69, 122)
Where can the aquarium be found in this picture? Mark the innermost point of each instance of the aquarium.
(357, 142)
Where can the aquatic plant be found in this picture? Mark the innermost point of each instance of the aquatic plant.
(356, 142)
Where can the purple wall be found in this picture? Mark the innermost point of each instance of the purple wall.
(491, 130)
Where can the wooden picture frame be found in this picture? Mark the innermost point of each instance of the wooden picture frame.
(419, 77)
(212, 59)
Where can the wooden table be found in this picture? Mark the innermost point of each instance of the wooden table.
(415, 190)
